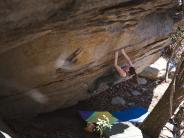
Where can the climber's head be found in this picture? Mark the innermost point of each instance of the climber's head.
(133, 72)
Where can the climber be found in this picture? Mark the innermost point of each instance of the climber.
(126, 71)
(118, 74)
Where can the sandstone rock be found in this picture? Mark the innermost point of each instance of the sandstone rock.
(150, 73)
(118, 101)
(155, 70)
(160, 64)
(52, 51)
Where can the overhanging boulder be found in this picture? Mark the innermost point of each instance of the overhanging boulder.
(52, 51)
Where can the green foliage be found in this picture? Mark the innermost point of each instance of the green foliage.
(179, 34)
(177, 46)
(102, 124)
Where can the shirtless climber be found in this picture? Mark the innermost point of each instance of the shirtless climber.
(118, 74)
(125, 71)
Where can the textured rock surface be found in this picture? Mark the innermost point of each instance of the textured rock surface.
(155, 70)
(51, 51)
(150, 73)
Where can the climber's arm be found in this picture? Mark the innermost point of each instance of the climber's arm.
(127, 57)
(121, 72)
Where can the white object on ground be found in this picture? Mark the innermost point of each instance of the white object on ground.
(124, 130)
(150, 73)
(156, 70)
(4, 134)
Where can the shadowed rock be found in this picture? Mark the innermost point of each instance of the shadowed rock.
(52, 51)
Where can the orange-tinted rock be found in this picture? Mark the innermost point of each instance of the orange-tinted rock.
(52, 51)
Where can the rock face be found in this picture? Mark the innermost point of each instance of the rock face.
(155, 70)
(52, 51)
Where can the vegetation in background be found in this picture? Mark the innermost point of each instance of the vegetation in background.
(174, 95)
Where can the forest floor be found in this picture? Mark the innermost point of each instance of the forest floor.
(66, 123)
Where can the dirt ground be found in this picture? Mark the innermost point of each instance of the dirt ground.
(66, 123)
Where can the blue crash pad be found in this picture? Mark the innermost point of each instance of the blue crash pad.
(132, 114)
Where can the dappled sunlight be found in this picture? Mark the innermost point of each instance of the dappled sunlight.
(60, 61)
(37, 96)
(160, 64)
(179, 2)
(64, 63)
(77, 60)
(158, 92)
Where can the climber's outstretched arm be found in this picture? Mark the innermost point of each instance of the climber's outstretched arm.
(127, 57)
(121, 72)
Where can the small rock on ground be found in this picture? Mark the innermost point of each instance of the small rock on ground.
(150, 73)
(135, 93)
(118, 101)
(142, 81)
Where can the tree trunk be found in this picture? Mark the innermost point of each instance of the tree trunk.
(178, 118)
(161, 113)
(167, 71)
